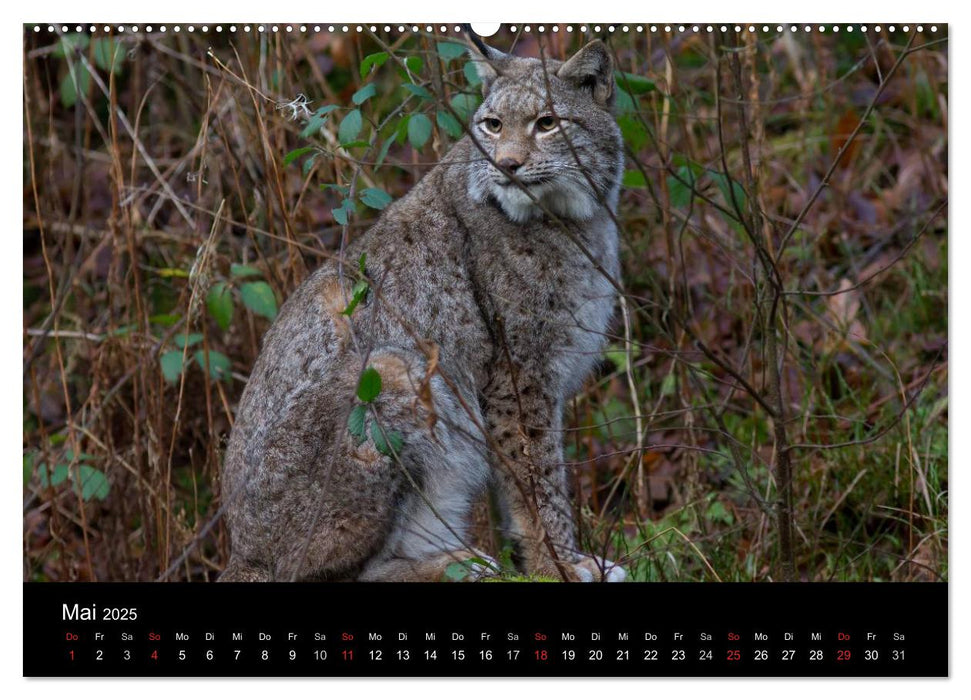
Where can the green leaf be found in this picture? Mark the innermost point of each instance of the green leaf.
(736, 188)
(343, 189)
(414, 64)
(633, 131)
(634, 178)
(108, 54)
(243, 271)
(369, 385)
(373, 61)
(456, 571)
(182, 340)
(449, 50)
(383, 153)
(295, 154)
(471, 74)
(172, 272)
(680, 192)
(624, 103)
(343, 212)
(375, 198)
(634, 84)
(418, 91)
(76, 81)
(449, 124)
(29, 466)
(358, 293)
(309, 163)
(350, 126)
(717, 512)
(355, 423)
(315, 122)
(219, 365)
(419, 130)
(92, 482)
(364, 94)
(361, 263)
(259, 298)
(171, 362)
(51, 477)
(401, 131)
(465, 105)
(219, 301)
(387, 442)
(166, 320)
(70, 42)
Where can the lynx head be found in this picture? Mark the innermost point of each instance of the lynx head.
(549, 131)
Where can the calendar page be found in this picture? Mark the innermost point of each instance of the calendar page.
(442, 349)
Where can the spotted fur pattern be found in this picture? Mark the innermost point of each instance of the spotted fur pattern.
(484, 317)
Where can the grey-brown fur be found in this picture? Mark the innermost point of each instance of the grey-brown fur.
(466, 266)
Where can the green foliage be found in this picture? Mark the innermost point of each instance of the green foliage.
(258, 297)
(317, 121)
(187, 340)
(633, 130)
(356, 421)
(343, 213)
(219, 302)
(418, 91)
(358, 293)
(350, 127)
(634, 178)
(244, 271)
(449, 124)
(70, 43)
(109, 54)
(76, 82)
(449, 50)
(171, 362)
(372, 62)
(88, 482)
(364, 94)
(219, 364)
(387, 442)
(465, 105)
(419, 130)
(369, 385)
(471, 74)
(634, 84)
(297, 153)
(681, 187)
(375, 197)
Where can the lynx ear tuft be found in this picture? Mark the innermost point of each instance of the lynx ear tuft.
(591, 67)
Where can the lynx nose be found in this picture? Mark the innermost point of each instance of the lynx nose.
(510, 164)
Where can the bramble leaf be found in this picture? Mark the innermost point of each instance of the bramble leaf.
(419, 130)
(259, 298)
(369, 385)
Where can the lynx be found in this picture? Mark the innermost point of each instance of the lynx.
(491, 286)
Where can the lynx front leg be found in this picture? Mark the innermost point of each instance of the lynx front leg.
(526, 431)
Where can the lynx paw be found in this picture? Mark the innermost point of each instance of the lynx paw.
(591, 569)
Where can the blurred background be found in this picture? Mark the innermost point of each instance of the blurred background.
(772, 403)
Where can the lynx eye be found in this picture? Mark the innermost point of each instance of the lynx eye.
(492, 125)
(546, 123)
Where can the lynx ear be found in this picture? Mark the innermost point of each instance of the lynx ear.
(484, 58)
(591, 67)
